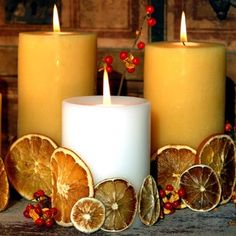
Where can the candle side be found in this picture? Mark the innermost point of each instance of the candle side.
(186, 88)
(52, 67)
(114, 141)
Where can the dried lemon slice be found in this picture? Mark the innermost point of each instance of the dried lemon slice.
(202, 186)
(28, 164)
(171, 161)
(71, 180)
(4, 187)
(88, 215)
(120, 201)
(218, 151)
(149, 202)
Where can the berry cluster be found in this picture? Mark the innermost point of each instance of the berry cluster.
(171, 199)
(127, 57)
(41, 212)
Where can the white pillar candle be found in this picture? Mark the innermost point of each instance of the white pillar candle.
(114, 140)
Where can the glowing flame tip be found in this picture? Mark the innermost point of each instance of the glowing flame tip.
(56, 23)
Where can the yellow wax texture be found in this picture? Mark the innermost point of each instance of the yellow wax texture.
(51, 68)
(186, 88)
(0, 125)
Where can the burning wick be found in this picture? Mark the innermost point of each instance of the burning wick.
(183, 31)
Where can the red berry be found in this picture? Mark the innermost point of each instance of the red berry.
(38, 210)
(151, 21)
(136, 60)
(26, 214)
(108, 60)
(141, 45)
(39, 222)
(123, 55)
(39, 193)
(228, 127)
(109, 68)
(130, 69)
(176, 204)
(47, 214)
(168, 206)
(53, 210)
(162, 193)
(49, 223)
(150, 9)
(181, 192)
(169, 187)
(29, 207)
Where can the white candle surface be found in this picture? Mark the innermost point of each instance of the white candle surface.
(113, 140)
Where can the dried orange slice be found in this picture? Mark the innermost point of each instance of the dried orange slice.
(120, 201)
(88, 215)
(28, 164)
(4, 187)
(202, 186)
(218, 151)
(71, 181)
(171, 161)
(149, 202)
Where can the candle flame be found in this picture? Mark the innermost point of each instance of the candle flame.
(183, 31)
(56, 23)
(106, 89)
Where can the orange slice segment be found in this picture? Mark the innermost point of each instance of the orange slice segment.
(120, 201)
(71, 181)
(171, 161)
(88, 215)
(28, 164)
(149, 202)
(202, 186)
(4, 187)
(218, 151)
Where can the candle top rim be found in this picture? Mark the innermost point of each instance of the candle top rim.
(61, 33)
(90, 101)
(190, 44)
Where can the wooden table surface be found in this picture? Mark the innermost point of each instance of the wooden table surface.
(220, 221)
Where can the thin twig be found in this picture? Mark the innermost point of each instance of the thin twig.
(130, 51)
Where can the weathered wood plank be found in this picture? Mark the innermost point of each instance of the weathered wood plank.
(217, 222)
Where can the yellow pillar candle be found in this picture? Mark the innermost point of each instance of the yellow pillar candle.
(52, 66)
(185, 84)
(0, 124)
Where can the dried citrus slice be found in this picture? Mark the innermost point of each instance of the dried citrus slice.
(149, 202)
(71, 181)
(218, 151)
(88, 215)
(4, 187)
(120, 201)
(28, 164)
(202, 186)
(171, 161)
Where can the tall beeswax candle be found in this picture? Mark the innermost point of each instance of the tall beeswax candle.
(185, 85)
(52, 67)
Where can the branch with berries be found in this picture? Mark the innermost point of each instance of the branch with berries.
(128, 58)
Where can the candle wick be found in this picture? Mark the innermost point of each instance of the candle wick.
(183, 43)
